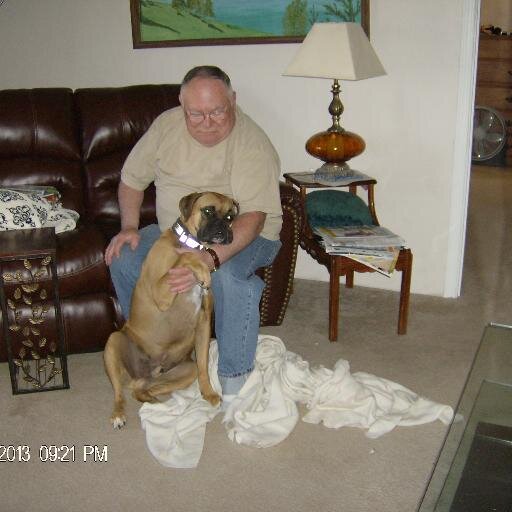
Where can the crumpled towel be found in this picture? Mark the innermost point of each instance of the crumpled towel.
(25, 210)
(175, 429)
(265, 411)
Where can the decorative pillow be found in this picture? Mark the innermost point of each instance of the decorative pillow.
(19, 210)
(331, 208)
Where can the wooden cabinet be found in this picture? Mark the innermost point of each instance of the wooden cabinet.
(494, 80)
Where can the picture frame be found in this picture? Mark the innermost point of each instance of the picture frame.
(167, 23)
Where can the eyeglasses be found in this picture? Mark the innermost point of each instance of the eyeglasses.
(218, 115)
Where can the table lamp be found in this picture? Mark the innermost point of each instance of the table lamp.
(339, 51)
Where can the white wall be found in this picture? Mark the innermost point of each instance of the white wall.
(407, 118)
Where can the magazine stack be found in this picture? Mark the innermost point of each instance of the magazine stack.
(374, 246)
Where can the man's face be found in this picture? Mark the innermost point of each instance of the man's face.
(209, 110)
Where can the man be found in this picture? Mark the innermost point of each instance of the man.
(207, 143)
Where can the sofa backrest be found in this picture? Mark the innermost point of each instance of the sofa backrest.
(111, 121)
(39, 142)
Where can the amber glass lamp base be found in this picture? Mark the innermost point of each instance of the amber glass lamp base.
(334, 148)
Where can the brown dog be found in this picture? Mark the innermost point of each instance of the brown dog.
(152, 353)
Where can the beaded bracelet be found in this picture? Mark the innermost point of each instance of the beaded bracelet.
(215, 258)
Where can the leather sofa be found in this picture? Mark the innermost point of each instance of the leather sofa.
(77, 142)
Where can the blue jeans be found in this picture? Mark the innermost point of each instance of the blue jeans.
(236, 291)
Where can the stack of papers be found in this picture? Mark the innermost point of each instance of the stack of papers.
(374, 246)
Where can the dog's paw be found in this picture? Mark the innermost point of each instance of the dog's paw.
(213, 398)
(118, 422)
(143, 395)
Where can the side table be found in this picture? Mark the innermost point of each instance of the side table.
(341, 266)
(31, 315)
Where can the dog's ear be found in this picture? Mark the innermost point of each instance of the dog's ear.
(236, 208)
(187, 204)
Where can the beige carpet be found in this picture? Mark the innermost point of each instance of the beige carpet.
(315, 469)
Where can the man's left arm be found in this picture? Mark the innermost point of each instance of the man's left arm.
(246, 228)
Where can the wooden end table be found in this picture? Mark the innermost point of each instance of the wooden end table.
(341, 266)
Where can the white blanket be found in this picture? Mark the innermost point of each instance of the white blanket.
(265, 411)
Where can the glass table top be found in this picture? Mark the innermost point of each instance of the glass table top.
(474, 468)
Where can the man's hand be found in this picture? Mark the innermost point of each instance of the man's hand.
(126, 236)
(182, 279)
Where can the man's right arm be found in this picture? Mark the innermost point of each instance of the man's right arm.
(130, 201)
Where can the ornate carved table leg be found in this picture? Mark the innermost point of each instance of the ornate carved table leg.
(33, 328)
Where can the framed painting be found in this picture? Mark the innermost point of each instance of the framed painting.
(159, 23)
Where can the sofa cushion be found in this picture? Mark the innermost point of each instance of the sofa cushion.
(80, 261)
(113, 120)
(38, 122)
(39, 142)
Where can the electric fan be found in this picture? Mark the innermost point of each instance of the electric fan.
(489, 134)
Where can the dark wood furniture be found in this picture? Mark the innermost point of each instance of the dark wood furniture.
(341, 266)
(494, 80)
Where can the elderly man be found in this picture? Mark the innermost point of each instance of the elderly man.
(206, 144)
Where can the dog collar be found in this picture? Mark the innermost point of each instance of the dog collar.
(185, 237)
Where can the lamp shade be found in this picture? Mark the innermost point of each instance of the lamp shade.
(338, 51)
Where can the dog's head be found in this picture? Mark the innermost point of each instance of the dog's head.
(208, 216)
